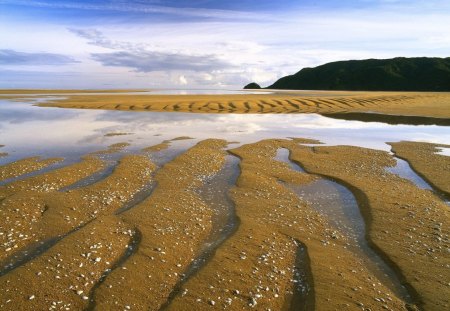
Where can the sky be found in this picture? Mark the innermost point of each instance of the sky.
(205, 44)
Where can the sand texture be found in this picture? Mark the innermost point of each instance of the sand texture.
(436, 105)
(172, 222)
(53, 179)
(256, 267)
(407, 224)
(425, 160)
(24, 166)
(219, 228)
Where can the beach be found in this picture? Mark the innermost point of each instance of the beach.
(274, 201)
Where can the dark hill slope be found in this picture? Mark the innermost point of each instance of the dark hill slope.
(252, 86)
(397, 74)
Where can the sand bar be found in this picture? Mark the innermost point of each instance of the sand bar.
(425, 160)
(407, 224)
(436, 105)
(278, 257)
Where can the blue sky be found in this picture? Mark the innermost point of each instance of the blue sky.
(202, 43)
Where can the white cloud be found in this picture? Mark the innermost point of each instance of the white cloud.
(149, 61)
(231, 53)
(183, 80)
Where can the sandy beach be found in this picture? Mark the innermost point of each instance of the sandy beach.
(224, 155)
(81, 248)
(409, 104)
(185, 223)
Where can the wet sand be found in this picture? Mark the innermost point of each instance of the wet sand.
(24, 166)
(406, 224)
(173, 221)
(162, 229)
(116, 134)
(258, 267)
(164, 145)
(97, 247)
(432, 105)
(424, 159)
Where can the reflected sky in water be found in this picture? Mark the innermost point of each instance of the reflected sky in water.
(28, 130)
(444, 151)
(151, 92)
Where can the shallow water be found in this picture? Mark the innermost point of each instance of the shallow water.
(131, 248)
(444, 151)
(340, 207)
(215, 193)
(159, 158)
(34, 250)
(303, 296)
(404, 170)
(153, 92)
(29, 130)
(283, 156)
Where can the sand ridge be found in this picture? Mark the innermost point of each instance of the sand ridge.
(425, 160)
(53, 179)
(409, 225)
(164, 144)
(255, 268)
(278, 258)
(47, 214)
(173, 223)
(435, 105)
(114, 148)
(24, 166)
(112, 134)
(68, 216)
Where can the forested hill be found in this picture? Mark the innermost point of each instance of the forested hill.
(396, 74)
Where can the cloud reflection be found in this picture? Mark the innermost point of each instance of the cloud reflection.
(64, 132)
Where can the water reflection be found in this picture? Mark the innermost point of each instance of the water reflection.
(444, 151)
(153, 92)
(404, 170)
(20, 112)
(26, 129)
(389, 119)
(205, 92)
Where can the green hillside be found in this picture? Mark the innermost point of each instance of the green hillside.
(397, 74)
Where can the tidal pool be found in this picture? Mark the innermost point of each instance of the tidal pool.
(54, 132)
